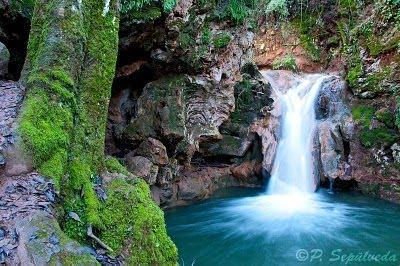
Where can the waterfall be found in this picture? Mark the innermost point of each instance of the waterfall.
(292, 171)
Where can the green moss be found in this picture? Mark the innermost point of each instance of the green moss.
(147, 14)
(386, 117)
(222, 40)
(206, 35)
(376, 136)
(371, 137)
(363, 114)
(114, 166)
(134, 223)
(311, 31)
(45, 128)
(62, 123)
(67, 259)
(287, 62)
(355, 71)
(147, 9)
(248, 102)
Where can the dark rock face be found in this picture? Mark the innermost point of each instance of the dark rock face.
(173, 100)
(14, 34)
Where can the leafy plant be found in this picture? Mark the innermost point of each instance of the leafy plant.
(222, 40)
(287, 62)
(277, 6)
(128, 6)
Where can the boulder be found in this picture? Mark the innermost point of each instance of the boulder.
(45, 244)
(164, 176)
(4, 60)
(154, 150)
(247, 171)
(335, 128)
(142, 167)
(331, 150)
(227, 146)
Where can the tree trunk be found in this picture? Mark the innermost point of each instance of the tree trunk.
(68, 75)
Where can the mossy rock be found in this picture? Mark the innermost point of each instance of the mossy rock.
(227, 146)
(46, 244)
(251, 95)
(134, 225)
(161, 108)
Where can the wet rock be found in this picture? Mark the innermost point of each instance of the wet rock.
(247, 172)
(4, 60)
(331, 150)
(154, 150)
(199, 183)
(267, 129)
(142, 167)
(32, 235)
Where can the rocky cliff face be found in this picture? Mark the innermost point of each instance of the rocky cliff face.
(191, 114)
(170, 114)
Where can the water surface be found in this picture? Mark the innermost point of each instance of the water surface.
(248, 227)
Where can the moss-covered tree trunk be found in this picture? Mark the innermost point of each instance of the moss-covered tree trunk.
(68, 73)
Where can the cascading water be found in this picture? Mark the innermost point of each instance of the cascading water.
(292, 171)
(271, 227)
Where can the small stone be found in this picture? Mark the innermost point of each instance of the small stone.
(101, 193)
(74, 216)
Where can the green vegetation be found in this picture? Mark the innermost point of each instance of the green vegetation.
(114, 166)
(222, 40)
(277, 6)
(248, 101)
(146, 9)
(287, 62)
(134, 223)
(386, 117)
(363, 115)
(24, 7)
(62, 123)
(375, 136)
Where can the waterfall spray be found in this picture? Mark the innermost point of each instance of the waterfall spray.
(292, 171)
